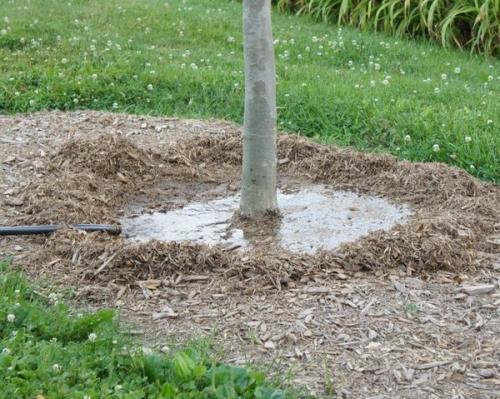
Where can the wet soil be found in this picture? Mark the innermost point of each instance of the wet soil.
(311, 219)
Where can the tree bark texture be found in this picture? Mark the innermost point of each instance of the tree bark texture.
(258, 191)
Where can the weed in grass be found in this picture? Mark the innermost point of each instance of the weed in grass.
(367, 90)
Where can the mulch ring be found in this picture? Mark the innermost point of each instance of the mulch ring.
(93, 180)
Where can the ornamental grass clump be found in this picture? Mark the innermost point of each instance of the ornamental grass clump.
(466, 24)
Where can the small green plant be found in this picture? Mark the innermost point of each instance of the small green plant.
(411, 308)
(48, 351)
(329, 384)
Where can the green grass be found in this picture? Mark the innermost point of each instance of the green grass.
(47, 351)
(173, 57)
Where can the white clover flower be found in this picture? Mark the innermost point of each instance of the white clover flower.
(385, 82)
(350, 63)
(377, 67)
(372, 83)
(468, 139)
(52, 297)
(32, 102)
(472, 167)
(3, 31)
(150, 87)
(56, 367)
(11, 317)
(407, 138)
(64, 61)
(489, 122)
(94, 76)
(231, 39)
(118, 387)
(444, 76)
(87, 397)
(436, 90)
(194, 66)
(92, 337)
(6, 351)
(115, 105)
(435, 147)
(458, 70)
(490, 78)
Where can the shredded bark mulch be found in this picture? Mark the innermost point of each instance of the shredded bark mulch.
(406, 313)
(94, 179)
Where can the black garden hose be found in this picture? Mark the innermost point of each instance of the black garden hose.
(114, 229)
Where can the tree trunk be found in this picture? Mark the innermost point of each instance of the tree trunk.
(258, 190)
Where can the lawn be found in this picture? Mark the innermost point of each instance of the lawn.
(184, 58)
(46, 351)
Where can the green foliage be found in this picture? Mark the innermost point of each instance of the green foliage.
(45, 350)
(473, 24)
(338, 85)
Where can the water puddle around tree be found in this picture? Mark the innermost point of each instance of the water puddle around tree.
(313, 218)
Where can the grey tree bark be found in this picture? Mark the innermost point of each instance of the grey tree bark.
(258, 190)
